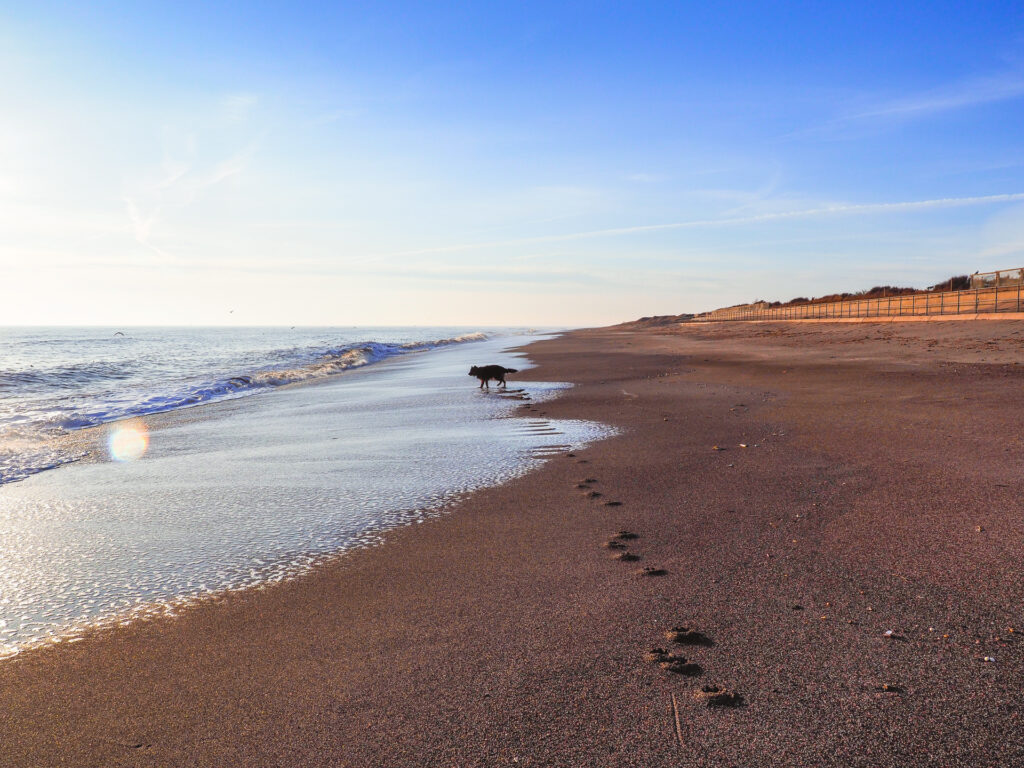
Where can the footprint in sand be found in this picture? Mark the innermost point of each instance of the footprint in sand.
(670, 662)
(625, 535)
(592, 494)
(651, 571)
(714, 696)
(613, 503)
(626, 557)
(615, 544)
(685, 635)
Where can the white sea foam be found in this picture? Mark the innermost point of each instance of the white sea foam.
(249, 495)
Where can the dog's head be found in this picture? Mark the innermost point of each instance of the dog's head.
(474, 371)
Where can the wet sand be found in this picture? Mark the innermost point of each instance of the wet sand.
(849, 571)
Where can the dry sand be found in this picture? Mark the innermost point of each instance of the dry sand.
(878, 492)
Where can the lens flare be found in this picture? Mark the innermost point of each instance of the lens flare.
(128, 441)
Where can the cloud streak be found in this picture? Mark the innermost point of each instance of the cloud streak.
(882, 113)
(967, 93)
(806, 213)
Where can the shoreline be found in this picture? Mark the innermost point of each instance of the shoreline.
(255, 491)
(504, 633)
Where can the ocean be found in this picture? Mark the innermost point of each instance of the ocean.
(146, 469)
(56, 380)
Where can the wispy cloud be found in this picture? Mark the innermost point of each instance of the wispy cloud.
(959, 95)
(237, 106)
(806, 213)
(644, 178)
(880, 113)
(179, 185)
(143, 223)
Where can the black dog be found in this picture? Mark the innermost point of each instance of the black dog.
(488, 372)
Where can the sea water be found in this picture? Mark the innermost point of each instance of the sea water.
(55, 380)
(353, 432)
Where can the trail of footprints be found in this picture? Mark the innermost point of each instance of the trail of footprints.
(672, 662)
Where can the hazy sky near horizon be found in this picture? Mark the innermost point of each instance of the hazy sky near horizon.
(516, 163)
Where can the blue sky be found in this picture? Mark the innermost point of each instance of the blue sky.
(526, 163)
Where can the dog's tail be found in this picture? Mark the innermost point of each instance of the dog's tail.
(511, 370)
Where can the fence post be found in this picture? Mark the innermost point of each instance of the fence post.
(995, 303)
(976, 300)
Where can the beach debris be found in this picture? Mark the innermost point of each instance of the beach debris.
(989, 659)
(717, 448)
(613, 544)
(675, 715)
(650, 570)
(980, 529)
(685, 635)
(613, 503)
(624, 535)
(626, 557)
(743, 445)
(888, 633)
(888, 688)
(713, 696)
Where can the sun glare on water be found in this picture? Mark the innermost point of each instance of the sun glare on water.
(128, 442)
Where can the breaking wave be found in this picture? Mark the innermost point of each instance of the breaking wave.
(40, 402)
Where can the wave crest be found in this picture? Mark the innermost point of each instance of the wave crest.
(325, 363)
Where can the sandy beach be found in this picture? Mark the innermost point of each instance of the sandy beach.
(834, 508)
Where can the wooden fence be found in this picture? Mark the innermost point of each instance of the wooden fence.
(971, 301)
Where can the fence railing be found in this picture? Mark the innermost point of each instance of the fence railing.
(969, 302)
(1000, 277)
